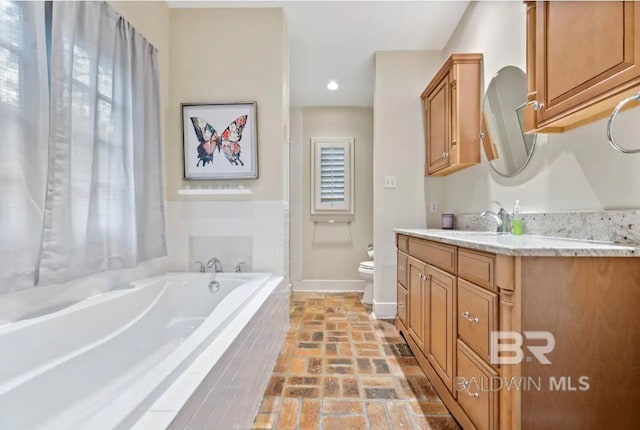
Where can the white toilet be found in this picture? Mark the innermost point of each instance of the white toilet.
(366, 273)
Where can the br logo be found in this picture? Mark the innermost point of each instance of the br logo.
(511, 352)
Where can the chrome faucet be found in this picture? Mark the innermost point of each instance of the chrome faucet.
(202, 268)
(215, 264)
(239, 266)
(501, 218)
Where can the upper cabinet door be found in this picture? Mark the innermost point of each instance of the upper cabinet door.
(583, 58)
(437, 116)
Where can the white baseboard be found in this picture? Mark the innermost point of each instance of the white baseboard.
(384, 310)
(329, 286)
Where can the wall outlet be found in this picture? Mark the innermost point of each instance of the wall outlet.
(390, 182)
(433, 206)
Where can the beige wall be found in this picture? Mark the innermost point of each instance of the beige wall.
(157, 31)
(575, 170)
(333, 251)
(231, 55)
(400, 78)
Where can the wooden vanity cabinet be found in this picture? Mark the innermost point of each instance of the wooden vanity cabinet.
(451, 104)
(453, 300)
(583, 58)
(458, 296)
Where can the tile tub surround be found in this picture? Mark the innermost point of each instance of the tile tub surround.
(338, 369)
(616, 226)
(229, 395)
(523, 246)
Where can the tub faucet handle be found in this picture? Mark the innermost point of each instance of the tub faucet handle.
(239, 266)
(202, 268)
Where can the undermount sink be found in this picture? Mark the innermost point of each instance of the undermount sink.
(468, 233)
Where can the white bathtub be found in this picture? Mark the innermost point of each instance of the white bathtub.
(114, 360)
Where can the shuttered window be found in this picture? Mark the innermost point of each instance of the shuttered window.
(332, 175)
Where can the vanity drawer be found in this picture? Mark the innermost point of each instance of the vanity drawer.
(436, 254)
(477, 267)
(402, 242)
(477, 316)
(403, 294)
(402, 268)
(475, 394)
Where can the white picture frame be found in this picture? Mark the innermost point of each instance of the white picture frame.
(220, 141)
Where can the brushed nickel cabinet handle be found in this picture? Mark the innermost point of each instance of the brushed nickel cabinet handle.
(470, 394)
(466, 315)
(537, 105)
(465, 388)
(402, 306)
(401, 268)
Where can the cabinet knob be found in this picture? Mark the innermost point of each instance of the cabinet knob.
(401, 268)
(402, 306)
(466, 315)
(445, 154)
(537, 105)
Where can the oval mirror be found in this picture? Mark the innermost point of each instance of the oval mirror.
(507, 148)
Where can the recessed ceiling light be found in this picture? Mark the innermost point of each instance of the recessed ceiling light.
(332, 85)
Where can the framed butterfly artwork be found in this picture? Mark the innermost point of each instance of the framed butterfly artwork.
(220, 141)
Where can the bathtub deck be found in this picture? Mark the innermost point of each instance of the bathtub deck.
(340, 370)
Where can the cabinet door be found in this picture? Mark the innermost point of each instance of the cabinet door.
(584, 51)
(440, 324)
(402, 269)
(438, 116)
(416, 291)
(403, 295)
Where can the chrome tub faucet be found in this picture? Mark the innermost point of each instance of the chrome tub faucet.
(215, 264)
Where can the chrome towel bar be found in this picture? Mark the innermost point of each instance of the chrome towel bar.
(612, 118)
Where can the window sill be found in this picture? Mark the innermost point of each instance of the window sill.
(215, 191)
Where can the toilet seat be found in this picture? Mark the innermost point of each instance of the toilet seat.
(366, 266)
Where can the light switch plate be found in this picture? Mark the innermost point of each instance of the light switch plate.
(390, 182)
(433, 206)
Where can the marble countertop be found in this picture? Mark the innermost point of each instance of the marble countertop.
(525, 246)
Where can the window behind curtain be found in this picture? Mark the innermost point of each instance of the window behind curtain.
(81, 169)
(104, 205)
(23, 140)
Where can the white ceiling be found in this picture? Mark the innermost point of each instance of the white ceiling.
(337, 40)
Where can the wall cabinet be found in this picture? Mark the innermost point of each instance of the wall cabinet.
(583, 58)
(451, 104)
(458, 296)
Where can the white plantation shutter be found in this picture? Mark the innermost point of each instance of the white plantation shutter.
(332, 176)
(332, 171)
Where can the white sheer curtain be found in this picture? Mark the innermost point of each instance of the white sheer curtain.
(24, 116)
(104, 206)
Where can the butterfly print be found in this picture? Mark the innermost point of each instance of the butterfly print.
(209, 140)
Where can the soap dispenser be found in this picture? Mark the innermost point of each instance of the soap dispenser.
(516, 220)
